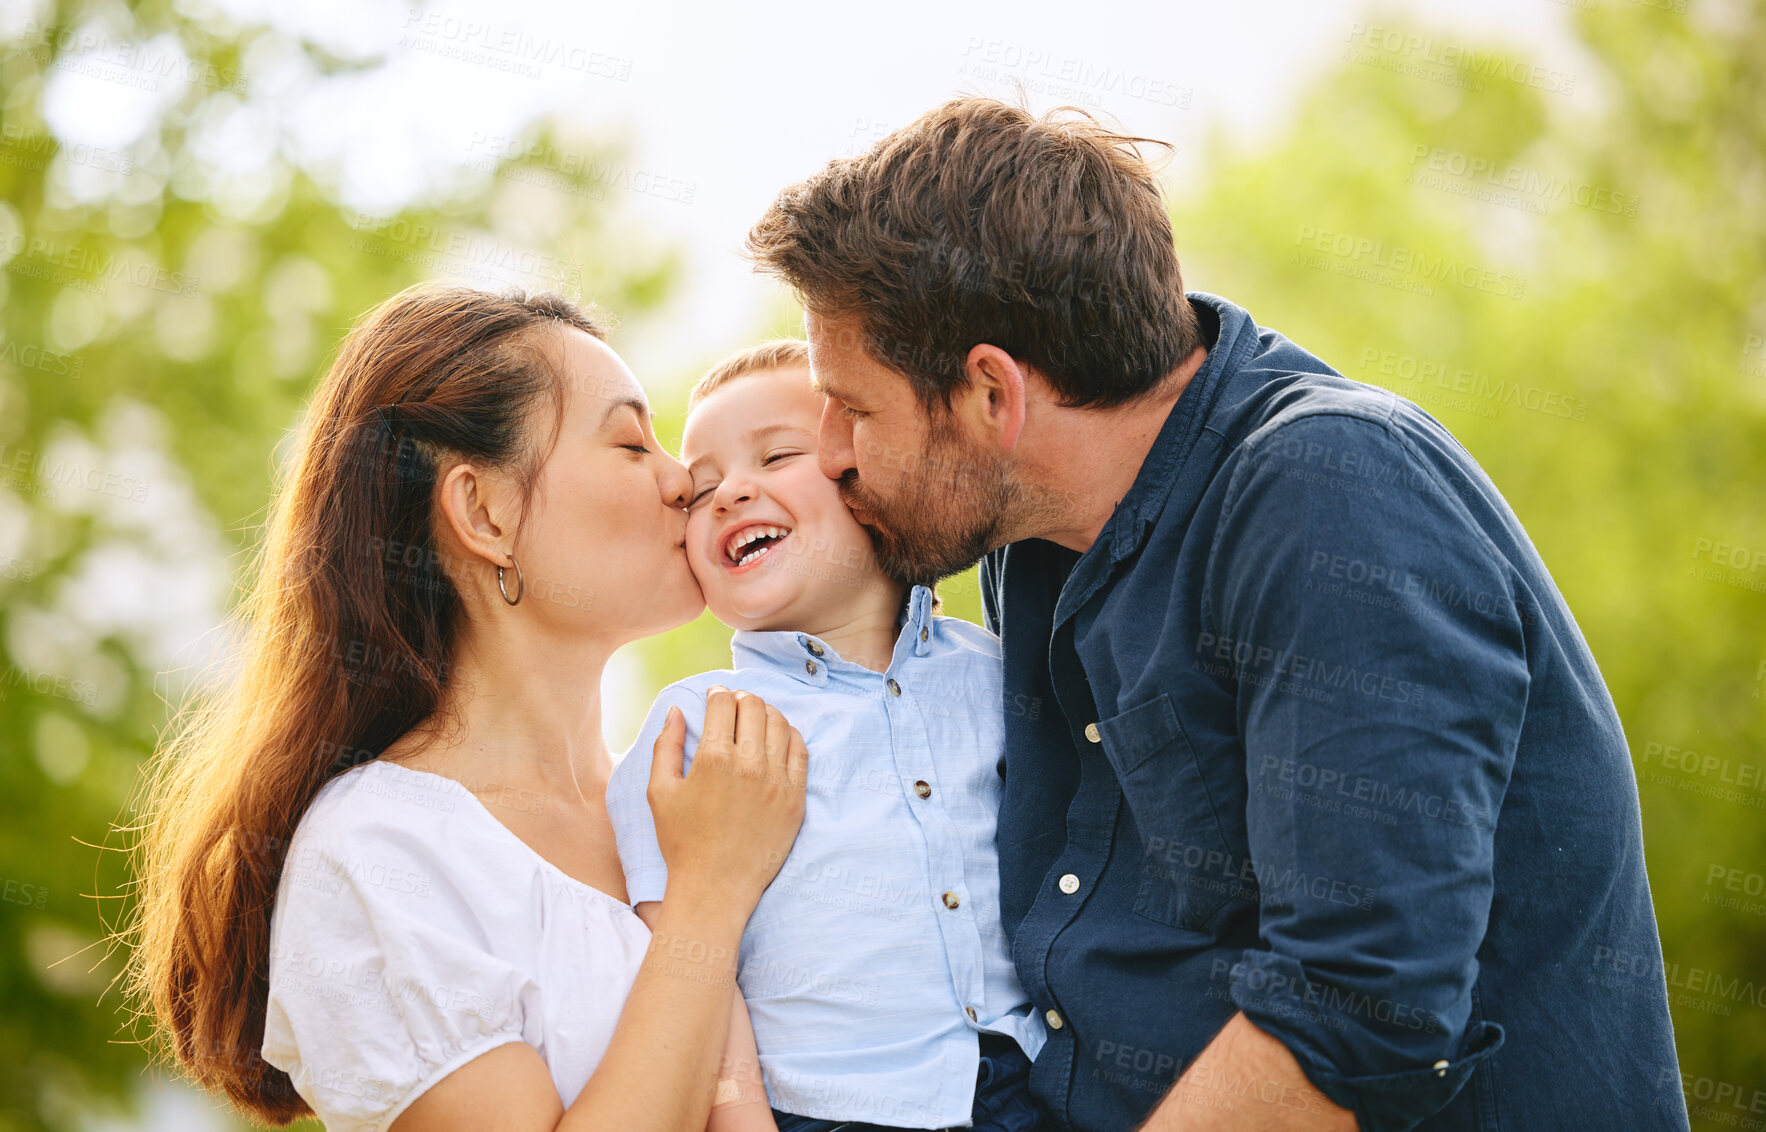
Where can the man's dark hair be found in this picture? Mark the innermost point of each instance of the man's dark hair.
(981, 223)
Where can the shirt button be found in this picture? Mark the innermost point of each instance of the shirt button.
(1091, 732)
(811, 667)
(894, 688)
(923, 788)
(970, 1011)
(925, 634)
(815, 649)
(1054, 1020)
(951, 901)
(1440, 1068)
(1069, 884)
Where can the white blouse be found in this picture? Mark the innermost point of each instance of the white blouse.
(413, 931)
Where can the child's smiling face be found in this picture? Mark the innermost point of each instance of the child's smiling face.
(768, 538)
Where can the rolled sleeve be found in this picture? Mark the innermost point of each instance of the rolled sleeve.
(1376, 644)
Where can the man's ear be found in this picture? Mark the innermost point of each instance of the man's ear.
(993, 403)
(478, 506)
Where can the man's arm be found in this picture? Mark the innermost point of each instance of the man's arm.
(1380, 668)
(1246, 1081)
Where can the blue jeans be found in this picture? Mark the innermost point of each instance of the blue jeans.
(1002, 1097)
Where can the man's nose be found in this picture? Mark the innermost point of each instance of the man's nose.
(834, 451)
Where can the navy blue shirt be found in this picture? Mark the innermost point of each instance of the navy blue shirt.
(1309, 733)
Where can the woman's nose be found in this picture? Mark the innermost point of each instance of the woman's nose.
(675, 483)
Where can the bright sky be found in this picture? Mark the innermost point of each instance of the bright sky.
(721, 107)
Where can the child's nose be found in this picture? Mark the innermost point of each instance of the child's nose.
(730, 493)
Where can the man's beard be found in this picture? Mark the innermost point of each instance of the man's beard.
(951, 509)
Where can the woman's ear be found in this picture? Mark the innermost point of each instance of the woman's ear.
(993, 402)
(479, 506)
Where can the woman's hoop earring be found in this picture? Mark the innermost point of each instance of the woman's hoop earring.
(520, 583)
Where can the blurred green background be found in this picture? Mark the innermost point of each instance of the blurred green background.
(1582, 303)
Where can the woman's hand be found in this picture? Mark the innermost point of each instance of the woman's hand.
(727, 824)
(724, 828)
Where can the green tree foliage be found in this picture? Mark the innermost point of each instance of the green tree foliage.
(1580, 296)
(163, 322)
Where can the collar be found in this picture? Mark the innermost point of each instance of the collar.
(810, 660)
(1125, 532)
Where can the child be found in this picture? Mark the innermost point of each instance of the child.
(875, 971)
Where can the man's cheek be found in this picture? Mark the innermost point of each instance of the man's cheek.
(879, 460)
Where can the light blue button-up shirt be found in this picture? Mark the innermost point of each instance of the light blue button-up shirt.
(876, 955)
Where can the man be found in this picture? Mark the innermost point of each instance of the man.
(1315, 801)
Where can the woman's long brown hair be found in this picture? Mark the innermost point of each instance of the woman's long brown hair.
(347, 632)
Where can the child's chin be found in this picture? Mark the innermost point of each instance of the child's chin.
(751, 605)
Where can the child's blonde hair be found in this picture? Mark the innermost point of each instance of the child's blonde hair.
(780, 353)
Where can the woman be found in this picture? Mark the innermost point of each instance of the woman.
(377, 877)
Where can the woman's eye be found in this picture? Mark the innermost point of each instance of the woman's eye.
(644, 448)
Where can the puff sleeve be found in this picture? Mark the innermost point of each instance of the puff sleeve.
(381, 978)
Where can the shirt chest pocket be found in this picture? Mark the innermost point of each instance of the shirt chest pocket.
(1186, 871)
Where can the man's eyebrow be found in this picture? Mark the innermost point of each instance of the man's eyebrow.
(631, 401)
